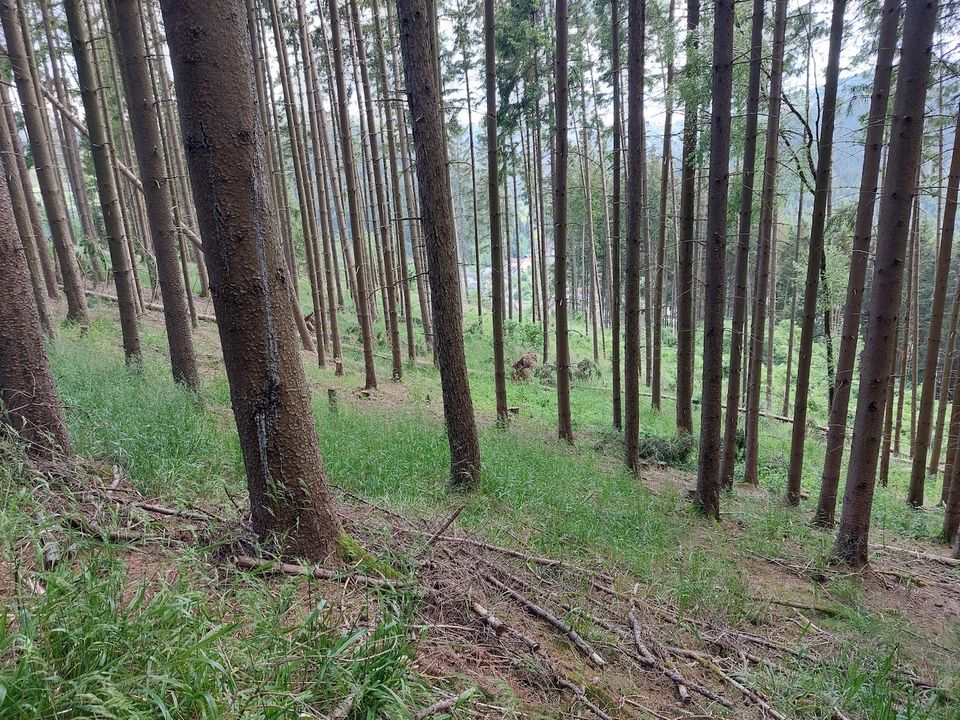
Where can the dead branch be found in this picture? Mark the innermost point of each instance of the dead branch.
(552, 620)
(249, 563)
(444, 705)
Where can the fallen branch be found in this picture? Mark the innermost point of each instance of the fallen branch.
(824, 609)
(651, 661)
(551, 620)
(249, 563)
(444, 705)
(442, 528)
(148, 305)
(920, 555)
(499, 626)
(710, 664)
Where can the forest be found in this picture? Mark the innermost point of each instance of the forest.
(443, 359)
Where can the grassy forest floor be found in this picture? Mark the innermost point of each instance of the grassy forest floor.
(564, 588)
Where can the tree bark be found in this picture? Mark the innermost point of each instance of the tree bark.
(859, 257)
(101, 149)
(561, 75)
(636, 27)
(21, 215)
(44, 165)
(815, 255)
(686, 344)
(493, 202)
(707, 496)
(346, 146)
(385, 232)
(729, 454)
(291, 504)
(615, 241)
(28, 394)
(899, 185)
(423, 94)
(767, 212)
(934, 328)
(141, 103)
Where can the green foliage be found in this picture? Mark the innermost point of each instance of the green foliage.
(93, 645)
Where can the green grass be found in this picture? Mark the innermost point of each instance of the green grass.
(230, 646)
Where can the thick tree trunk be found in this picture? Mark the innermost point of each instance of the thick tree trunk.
(815, 255)
(636, 27)
(561, 75)
(21, 214)
(686, 343)
(859, 256)
(423, 93)
(934, 328)
(101, 149)
(707, 496)
(141, 103)
(729, 454)
(44, 164)
(290, 501)
(33, 214)
(28, 394)
(906, 138)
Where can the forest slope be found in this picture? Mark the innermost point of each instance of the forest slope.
(148, 615)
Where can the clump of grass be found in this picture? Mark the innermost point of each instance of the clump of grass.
(92, 646)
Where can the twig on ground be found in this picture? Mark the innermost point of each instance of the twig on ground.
(447, 523)
(249, 563)
(444, 705)
(550, 619)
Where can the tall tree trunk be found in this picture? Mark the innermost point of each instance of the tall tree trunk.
(859, 256)
(707, 496)
(346, 148)
(43, 255)
(662, 226)
(141, 103)
(686, 344)
(561, 76)
(615, 210)
(768, 201)
(934, 327)
(473, 172)
(71, 149)
(815, 255)
(729, 453)
(290, 501)
(905, 324)
(44, 164)
(385, 231)
(899, 184)
(423, 94)
(493, 202)
(303, 181)
(101, 149)
(325, 229)
(946, 388)
(636, 27)
(403, 279)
